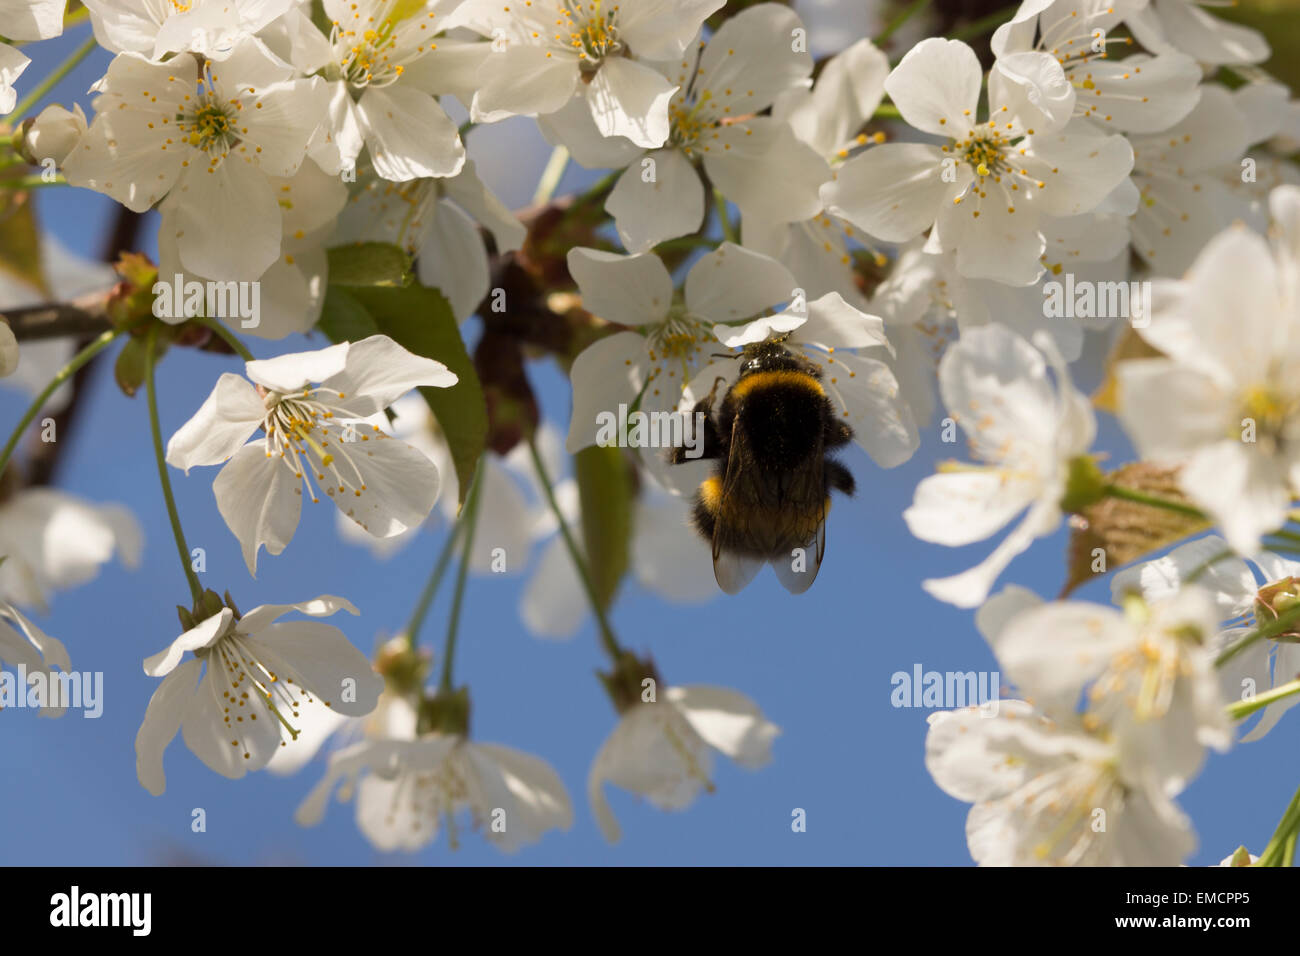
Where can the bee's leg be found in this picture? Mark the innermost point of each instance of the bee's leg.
(707, 443)
(838, 477)
(837, 431)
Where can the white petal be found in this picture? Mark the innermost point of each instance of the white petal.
(748, 157)
(399, 486)
(204, 634)
(1243, 488)
(865, 393)
(734, 283)
(959, 507)
(260, 500)
(409, 134)
(162, 719)
(629, 290)
(607, 373)
(894, 191)
(523, 81)
(377, 372)
(228, 220)
(322, 661)
(226, 419)
(728, 721)
(937, 80)
(290, 373)
(667, 205)
(1033, 88)
(233, 749)
(970, 588)
(630, 100)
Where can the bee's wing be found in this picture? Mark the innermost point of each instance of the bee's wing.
(734, 570)
(798, 581)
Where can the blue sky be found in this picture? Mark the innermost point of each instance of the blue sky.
(819, 664)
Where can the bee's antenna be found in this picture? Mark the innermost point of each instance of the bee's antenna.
(725, 355)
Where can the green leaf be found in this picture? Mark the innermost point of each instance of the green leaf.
(606, 495)
(20, 248)
(369, 264)
(420, 320)
(344, 319)
(129, 367)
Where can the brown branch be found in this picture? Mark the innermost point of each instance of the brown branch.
(51, 320)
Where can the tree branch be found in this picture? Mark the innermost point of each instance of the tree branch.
(51, 320)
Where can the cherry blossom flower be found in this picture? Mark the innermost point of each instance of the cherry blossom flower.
(1147, 674)
(385, 63)
(714, 129)
(1241, 603)
(410, 785)
(52, 541)
(207, 139)
(1024, 431)
(1223, 397)
(664, 750)
(545, 51)
(987, 189)
(384, 485)
(1044, 793)
(1140, 93)
(291, 292)
(245, 684)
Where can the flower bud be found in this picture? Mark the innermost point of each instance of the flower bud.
(51, 135)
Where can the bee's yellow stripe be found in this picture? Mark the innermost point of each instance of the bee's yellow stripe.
(711, 494)
(773, 379)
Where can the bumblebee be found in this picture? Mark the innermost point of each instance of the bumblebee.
(770, 491)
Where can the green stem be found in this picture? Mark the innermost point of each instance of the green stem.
(1284, 835)
(607, 637)
(1244, 708)
(913, 8)
(226, 336)
(462, 575)
(728, 230)
(36, 181)
(61, 376)
(37, 93)
(173, 515)
(1154, 501)
(1274, 627)
(984, 24)
(431, 588)
(551, 176)
(886, 111)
